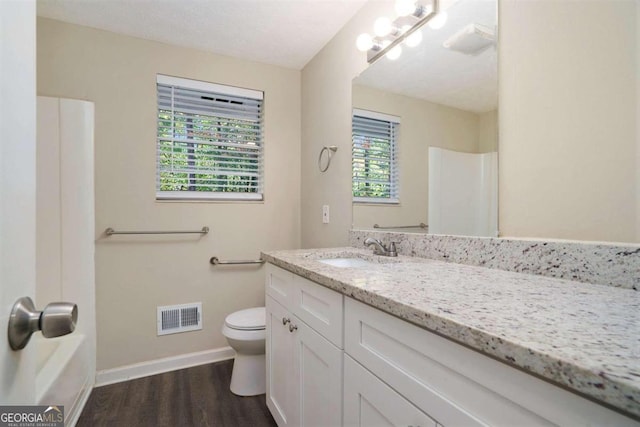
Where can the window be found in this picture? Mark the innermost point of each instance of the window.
(209, 141)
(375, 157)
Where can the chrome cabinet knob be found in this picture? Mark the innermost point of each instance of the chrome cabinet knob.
(57, 319)
(293, 327)
(285, 320)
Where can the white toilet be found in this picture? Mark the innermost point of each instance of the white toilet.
(245, 332)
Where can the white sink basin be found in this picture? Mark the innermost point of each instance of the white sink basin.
(346, 262)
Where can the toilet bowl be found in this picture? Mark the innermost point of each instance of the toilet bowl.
(245, 332)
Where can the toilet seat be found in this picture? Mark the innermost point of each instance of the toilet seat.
(250, 319)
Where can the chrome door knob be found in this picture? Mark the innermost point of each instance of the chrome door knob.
(57, 319)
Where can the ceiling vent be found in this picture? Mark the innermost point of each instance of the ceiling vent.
(471, 40)
(179, 318)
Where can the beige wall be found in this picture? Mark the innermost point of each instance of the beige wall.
(326, 120)
(568, 138)
(423, 125)
(568, 135)
(488, 132)
(134, 275)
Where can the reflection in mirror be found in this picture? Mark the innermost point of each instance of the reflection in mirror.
(444, 93)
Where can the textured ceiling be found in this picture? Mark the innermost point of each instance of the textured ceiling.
(436, 74)
(287, 33)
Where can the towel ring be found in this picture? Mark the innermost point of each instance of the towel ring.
(329, 150)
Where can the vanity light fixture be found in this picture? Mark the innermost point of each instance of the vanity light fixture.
(412, 14)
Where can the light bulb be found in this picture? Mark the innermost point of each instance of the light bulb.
(414, 38)
(382, 26)
(364, 42)
(394, 53)
(405, 7)
(438, 21)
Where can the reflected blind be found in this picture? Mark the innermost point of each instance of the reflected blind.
(209, 142)
(375, 157)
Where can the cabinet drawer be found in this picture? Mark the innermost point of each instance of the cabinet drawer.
(370, 402)
(319, 307)
(456, 385)
(279, 285)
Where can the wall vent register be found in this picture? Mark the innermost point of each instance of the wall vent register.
(172, 319)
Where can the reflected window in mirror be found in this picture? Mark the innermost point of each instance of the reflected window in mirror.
(375, 157)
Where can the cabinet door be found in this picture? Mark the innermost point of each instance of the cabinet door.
(319, 372)
(282, 396)
(368, 402)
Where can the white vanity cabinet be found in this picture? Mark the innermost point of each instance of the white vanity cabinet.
(455, 385)
(304, 351)
(390, 372)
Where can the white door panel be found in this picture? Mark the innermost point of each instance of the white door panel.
(17, 188)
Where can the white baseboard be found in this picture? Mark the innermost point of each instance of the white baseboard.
(159, 366)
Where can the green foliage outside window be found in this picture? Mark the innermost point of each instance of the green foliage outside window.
(205, 153)
(372, 172)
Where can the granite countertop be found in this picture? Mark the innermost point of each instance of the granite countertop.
(582, 336)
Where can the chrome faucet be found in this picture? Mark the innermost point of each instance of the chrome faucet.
(380, 249)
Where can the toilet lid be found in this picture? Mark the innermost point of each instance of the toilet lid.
(250, 319)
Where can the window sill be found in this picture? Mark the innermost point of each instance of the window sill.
(179, 196)
(373, 201)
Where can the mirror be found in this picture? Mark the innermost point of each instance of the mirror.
(444, 93)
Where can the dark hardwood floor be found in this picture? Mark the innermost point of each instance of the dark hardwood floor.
(197, 396)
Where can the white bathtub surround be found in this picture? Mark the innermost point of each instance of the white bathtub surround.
(65, 249)
(463, 192)
(591, 262)
(577, 335)
(63, 373)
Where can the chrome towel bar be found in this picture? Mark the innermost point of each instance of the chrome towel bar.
(110, 232)
(421, 225)
(215, 261)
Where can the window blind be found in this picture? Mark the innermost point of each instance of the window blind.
(375, 157)
(209, 143)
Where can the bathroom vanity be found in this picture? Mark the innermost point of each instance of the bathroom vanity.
(356, 339)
